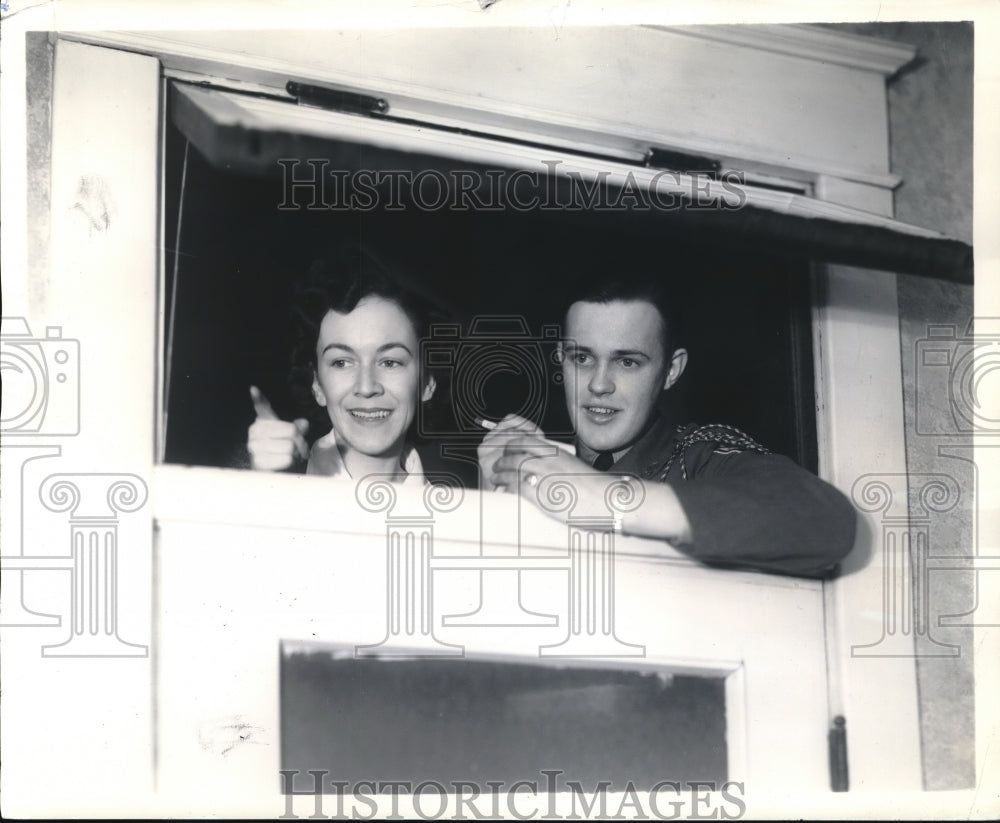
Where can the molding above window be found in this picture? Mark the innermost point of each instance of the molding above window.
(726, 96)
(810, 43)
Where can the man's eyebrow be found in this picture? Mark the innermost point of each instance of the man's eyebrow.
(571, 346)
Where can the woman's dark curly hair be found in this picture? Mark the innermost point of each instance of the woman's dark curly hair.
(337, 282)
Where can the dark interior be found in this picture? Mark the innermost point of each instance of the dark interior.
(743, 311)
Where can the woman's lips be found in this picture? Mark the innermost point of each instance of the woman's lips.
(370, 415)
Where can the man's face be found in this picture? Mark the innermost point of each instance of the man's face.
(368, 376)
(614, 369)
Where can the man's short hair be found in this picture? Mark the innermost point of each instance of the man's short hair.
(615, 279)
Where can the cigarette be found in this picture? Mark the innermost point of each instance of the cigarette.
(489, 425)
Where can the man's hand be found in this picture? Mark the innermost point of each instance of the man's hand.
(492, 447)
(275, 444)
(516, 456)
(533, 465)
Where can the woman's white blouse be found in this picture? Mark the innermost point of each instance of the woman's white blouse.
(325, 459)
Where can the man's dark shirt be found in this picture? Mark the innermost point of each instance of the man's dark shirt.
(747, 507)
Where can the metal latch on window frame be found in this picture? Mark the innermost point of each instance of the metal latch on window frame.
(660, 158)
(336, 99)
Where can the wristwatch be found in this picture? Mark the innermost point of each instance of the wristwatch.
(617, 524)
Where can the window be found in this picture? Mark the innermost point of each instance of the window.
(743, 311)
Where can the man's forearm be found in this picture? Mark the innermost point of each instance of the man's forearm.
(767, 513)
(660, 516)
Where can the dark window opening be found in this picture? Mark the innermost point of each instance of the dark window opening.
(744, 308)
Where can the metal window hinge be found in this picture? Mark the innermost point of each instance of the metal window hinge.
(336, 99)
(680, 161)
(837, 739)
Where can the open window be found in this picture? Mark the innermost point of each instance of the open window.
(496, 227)
(494, 253)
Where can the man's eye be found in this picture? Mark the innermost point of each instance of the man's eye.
(629, 363)
(581, 359)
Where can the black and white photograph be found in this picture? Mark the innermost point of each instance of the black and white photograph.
(500, 409)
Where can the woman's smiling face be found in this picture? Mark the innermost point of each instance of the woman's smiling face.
(368, 376)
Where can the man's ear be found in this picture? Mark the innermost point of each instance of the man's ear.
(317, 391)
(429, 388)
(678, 362)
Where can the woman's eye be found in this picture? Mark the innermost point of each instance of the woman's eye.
(389, 363)
(339, 363)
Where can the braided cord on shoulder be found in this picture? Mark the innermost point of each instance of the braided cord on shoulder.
(720, 433)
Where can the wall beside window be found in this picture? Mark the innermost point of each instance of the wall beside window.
(40, 54)
(931, 142)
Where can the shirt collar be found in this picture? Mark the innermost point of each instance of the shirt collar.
(325, 460)
(588, 455)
